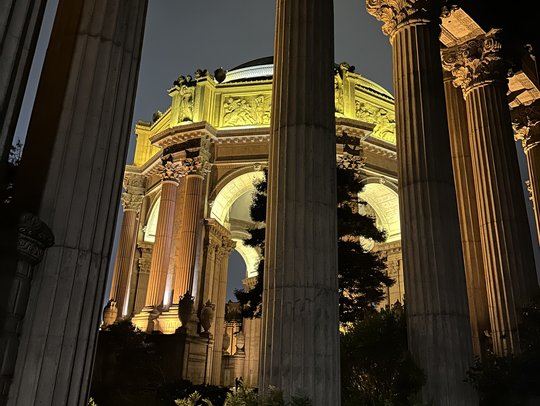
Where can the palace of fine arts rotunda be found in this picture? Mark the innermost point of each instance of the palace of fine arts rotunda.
(449, 165)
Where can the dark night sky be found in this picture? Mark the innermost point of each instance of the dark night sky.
(182, 36)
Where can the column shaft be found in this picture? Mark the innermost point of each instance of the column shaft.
(124, 261)
(71, 175)
(187, 240)
(504, 229)
(161, 252)
(300, 343)
(468, 215)
(20, 22)
(532, 151)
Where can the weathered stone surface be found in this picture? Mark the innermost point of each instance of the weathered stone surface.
(300, 349)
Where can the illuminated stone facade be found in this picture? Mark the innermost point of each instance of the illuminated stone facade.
(205, 153)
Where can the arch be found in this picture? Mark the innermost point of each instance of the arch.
(384, 201)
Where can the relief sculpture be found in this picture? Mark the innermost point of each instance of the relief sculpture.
(247, 110)
(385, 123)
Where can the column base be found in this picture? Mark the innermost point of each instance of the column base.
(169, 321)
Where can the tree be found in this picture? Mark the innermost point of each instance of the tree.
(361, 273)
(376, 367)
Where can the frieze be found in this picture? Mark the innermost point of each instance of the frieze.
(477, 61)
(385, 123)
(393, 13)
(246, 110)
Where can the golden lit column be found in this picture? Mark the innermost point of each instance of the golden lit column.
(468, 215)
(300, 337)
(437, 310)
(510, 274)
(526, 122)
(219, 298)
(194, 171)
(170, 173)
(132, 200)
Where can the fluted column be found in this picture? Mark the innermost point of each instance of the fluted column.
(71, 176)
(468, 216)
(219, 299)
(300, 337)
(20, 22)
(33, 238)
(437, 310)
(526, 122)
(509, 265)
(161, 253)
(143, 277)
(131, 202)
(194, 170)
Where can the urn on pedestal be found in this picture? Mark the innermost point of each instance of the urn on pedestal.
(110, 312)
(206, 318)
(185, 308)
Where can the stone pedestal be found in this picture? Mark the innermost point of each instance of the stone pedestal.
(131, 203)
(71, 176)
(526, 123)
(300, 337)
(436, 296)
(510, 273)
(468, 215)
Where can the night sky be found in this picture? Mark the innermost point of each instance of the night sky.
(182, 36)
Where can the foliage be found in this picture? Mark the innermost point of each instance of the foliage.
(246, 397)
(513, 379)
(361, 273)
(131, 374)
(376, 367)
(183, 389)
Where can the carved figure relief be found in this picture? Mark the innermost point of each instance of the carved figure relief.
(246, 110)
(185, 108)
(338, 93)
(385, 123)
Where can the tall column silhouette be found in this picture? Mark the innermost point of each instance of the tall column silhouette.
(71, 176)
(510, 273)
(300, 343)
(131, 203)
(468, 215)
(526, 123)
(437, 309)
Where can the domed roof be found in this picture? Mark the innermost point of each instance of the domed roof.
(262, 69)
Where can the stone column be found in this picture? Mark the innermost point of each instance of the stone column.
(220, 293)
(71, 176)
(20, 22)
(510, 274)
(131, 202)
(34, 237)
(526, 122)
(300, 337)
(161, 253)
(468, 215)
(436, 294)
(194, 170)
(143, 267)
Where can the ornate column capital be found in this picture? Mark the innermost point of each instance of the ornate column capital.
(526, 124)
(170, 171)
(34, 237)
(134, 186)
(350, 162)
(395, 13)
(476, 61)
(226, 247)
(198, 166)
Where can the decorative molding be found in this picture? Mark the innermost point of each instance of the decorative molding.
(477, 61)
(394, 13)
(34, 237)
(242, 139)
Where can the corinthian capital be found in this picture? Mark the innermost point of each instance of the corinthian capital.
(350, 162)
(526, 124)
(170, 171)
(393, 13)
(477, 61)
(134, 182)
(132, 201)
(198, 165)
(34, 237)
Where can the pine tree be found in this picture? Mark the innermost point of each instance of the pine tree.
(361, 273)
